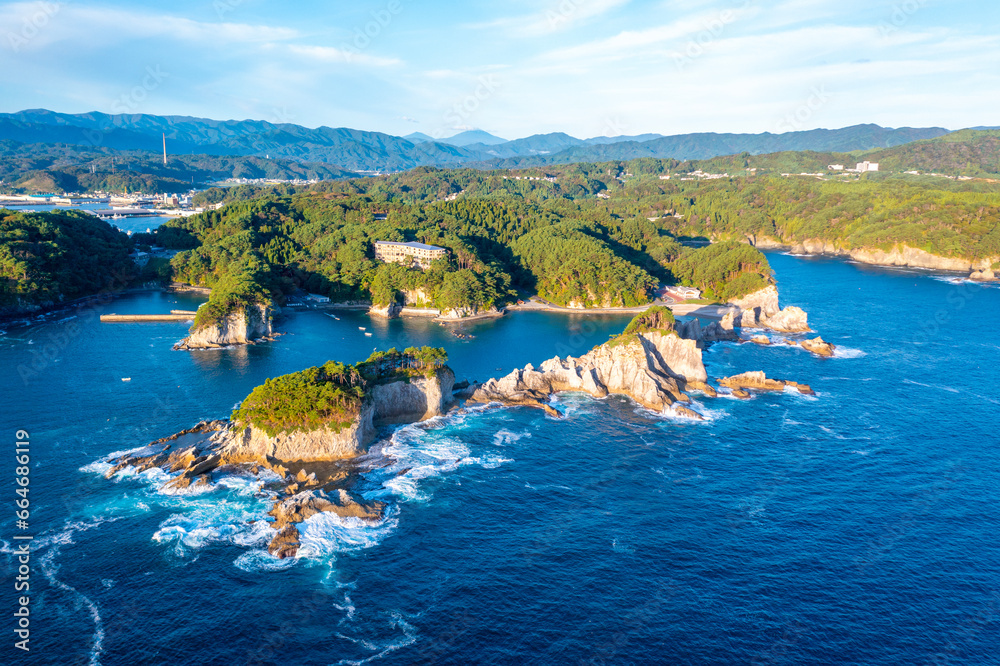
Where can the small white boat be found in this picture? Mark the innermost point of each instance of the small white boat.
(126, 379)
(361, 328)
(368, 335)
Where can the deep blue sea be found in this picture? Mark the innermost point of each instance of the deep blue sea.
(861, 526)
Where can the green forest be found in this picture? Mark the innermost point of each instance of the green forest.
(52, 257)
(596, 235)
(330, 395)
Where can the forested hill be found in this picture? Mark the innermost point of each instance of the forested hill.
(58, 168)
(591, 234)
(594, 235)
(47, 258)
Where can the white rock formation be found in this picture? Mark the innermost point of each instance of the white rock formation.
(242, 326)
(646, 368)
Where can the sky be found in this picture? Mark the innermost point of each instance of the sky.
(515, 68)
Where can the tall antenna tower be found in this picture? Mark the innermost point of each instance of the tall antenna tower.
(164, 149)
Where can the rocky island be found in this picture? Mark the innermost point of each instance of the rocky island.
(303, 429)
(298, 427)
(654, 362)
(242, 325)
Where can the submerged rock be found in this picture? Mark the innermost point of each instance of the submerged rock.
(761, 340)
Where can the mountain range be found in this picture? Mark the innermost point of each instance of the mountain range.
(365, 151)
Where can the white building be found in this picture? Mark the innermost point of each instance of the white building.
(867, 166)
(408, 254)
(836, 167)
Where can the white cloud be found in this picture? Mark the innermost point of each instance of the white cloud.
(345, 55)
(42, 24)
(561, 15)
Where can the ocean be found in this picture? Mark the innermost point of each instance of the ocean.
(859, 526)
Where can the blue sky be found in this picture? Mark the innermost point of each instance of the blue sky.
(586, 67)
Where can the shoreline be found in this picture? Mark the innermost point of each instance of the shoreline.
(900, 255)
(27, 317)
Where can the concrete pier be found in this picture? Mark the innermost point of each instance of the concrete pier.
(115, 318)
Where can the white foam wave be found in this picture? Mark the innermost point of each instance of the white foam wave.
(327, 534)
(673, 415)
(398, 622)
(213, 522)
(504, 437)
(621, 547)
(49, 570)
(847, 352)
(260, 560)
(941, 388)
(791, 390)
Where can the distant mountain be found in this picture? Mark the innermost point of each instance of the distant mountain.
(57, 168)
(347, 148)
(473, 137)
(418, 137)
(358, 150)
(707, 146)
(622, 139)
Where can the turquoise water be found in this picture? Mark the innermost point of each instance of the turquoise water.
(858, 526)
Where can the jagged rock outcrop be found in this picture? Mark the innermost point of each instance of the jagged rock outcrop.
(760, 310)
(251, 443)
(790, 320)
(298, 508)
(761, 340)
(985, 275)
(419, 399)
(762, 304)
(240, 327)
(649, 368)
(758, 381)
(817, 346)
(716, 331)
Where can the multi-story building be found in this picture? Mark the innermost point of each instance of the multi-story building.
(408, 254)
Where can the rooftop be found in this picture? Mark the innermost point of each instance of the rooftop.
(416, 246)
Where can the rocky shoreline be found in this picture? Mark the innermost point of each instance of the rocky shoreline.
(656, 363)
(901, 255)
(310, 469)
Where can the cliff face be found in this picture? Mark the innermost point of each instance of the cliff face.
(386, 311)
(468, 311)
(899, 255)
(239, 328)
(417, 400)
(398, 402)
(252, 444)
(646, 368)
